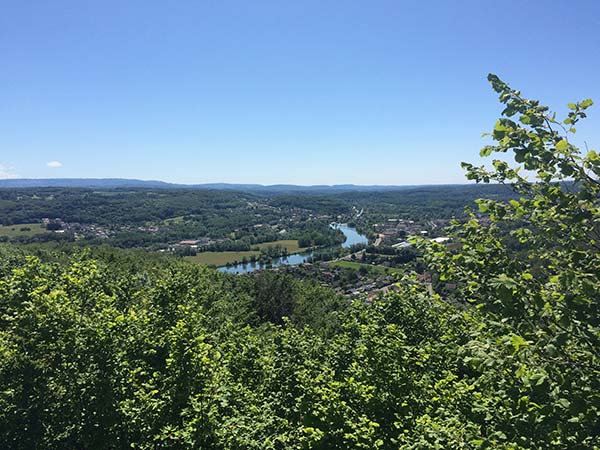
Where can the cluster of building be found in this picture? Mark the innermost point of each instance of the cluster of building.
(348, 282)
(200, 242)
(394, 232)
(90, 230)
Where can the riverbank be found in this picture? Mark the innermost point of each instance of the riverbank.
(352, 238)
(219, 259)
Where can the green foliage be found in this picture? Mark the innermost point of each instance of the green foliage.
(94, 356)
(535, 361)
(104, 349)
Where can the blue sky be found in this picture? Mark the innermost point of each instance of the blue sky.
(303, 92)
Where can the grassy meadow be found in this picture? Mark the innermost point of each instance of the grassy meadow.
(23, 229)
(291, 245)
(220, 258)
(370, 267)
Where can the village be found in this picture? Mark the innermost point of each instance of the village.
(299, 241)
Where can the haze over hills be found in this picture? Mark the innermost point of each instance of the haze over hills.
(116, 183)
(107, 183)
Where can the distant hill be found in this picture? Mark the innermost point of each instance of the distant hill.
(120, 183)
(297, 188)
(102, 183)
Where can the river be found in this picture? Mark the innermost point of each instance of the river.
(353, 237)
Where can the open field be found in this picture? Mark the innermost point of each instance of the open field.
(173, 220)
(356, 266)
(23, 229)
(220, 258)
(291, 245)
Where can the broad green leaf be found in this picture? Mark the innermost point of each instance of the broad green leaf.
(518, 342)
(562, 145)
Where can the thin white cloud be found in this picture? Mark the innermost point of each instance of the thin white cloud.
(54, 164)
(7, 172)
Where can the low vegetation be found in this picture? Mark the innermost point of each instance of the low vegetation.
(367, 267)
(289, 245)
(23, 229)
(219, 259)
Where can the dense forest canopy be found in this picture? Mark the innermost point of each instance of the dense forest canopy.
(139, 206)
(133, 206)
(103, 348)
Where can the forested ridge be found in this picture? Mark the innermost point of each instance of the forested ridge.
(103, 348)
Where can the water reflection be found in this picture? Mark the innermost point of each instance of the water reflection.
(352, 238)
